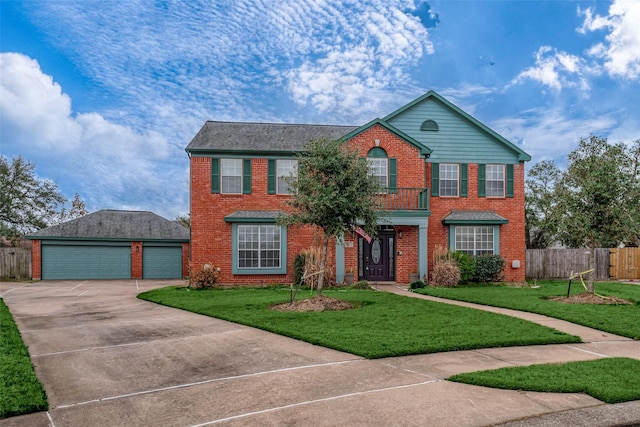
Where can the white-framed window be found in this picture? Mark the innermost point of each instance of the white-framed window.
(231, 176)
(259, 246)
(449, 179)
(475, 240)
(284, 169)
(495, 180)
(380, 169)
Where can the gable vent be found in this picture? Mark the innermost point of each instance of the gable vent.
(430, 125)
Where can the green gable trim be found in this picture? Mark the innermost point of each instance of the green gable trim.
(423, 149)
(522, 156)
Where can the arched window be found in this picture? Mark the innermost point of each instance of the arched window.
(379, 165)
(429, 125)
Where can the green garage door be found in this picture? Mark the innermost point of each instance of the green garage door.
(86, 262)
(162, 262)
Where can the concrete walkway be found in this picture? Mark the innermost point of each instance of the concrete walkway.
(109, 359)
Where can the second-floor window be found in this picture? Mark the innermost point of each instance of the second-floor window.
(379, 165)
(231, 176)
(449, 174)
(285, 169)
(495, 180)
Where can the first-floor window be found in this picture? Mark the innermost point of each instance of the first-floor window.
(259, 246)
(474, 240)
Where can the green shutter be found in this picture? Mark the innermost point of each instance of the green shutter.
(481, 181)
(435, 179)
(215, 175)
(246, 176)
(463, 180)
(509, 180)
(271, 176)
(393, 175)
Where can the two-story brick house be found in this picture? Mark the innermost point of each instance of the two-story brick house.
(449, 181)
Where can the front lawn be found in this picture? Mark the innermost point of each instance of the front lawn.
(20, 390)
(382, 325)
(616, 319)
(611, 380)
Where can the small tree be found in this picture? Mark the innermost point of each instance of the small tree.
(592, 197)
(27, 203)
(333, 190)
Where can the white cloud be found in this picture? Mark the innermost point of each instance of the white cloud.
(557, 70)
(621, 51)
(548, 134)
(110, 165)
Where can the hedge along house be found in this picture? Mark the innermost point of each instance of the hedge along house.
(111, 244)
(449, 181)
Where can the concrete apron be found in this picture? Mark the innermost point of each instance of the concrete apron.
(109, 359)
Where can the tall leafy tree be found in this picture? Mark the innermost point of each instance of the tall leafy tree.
(333, 191)
(27, 203)
(633, 194)
(540, 205)
(592, 197)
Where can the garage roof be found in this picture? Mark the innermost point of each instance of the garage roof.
(115, 225)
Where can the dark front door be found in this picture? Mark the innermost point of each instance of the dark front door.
(378, 258)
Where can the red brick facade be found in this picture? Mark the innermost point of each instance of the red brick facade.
(36, 260)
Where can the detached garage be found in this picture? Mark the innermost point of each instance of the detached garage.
(111, 244)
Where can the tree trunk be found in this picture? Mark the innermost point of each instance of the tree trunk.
(323, 262)
(592, 264)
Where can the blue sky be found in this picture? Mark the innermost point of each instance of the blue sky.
(104, 95)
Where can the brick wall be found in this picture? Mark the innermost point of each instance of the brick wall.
(36, 259)
(512, 242)
(136, 260)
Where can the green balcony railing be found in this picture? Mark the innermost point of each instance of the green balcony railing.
(399, 198)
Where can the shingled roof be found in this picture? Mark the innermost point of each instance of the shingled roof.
(263, 137)
(116, 225)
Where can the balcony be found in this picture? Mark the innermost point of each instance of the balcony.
(404, 199)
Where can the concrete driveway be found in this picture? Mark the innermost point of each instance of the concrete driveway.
(109, 359)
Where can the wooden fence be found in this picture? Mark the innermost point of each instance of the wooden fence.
(624, 263)
(559, 263)
(15, 263)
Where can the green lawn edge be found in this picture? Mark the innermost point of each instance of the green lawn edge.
(20, 390)
(383, 325)
(611, 380)
(623, 320)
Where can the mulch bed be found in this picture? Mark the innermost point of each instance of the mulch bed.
(318, 303)
(590, 298)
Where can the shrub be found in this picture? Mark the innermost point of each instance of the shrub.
(362, 284)
(418, 284)
(298, 267)
(466, 264)
(206, 277)
(489, 268)
(445, 273)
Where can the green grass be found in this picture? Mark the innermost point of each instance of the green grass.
(20, 390)
(383, 325)
(611, 380)
(616, 319)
